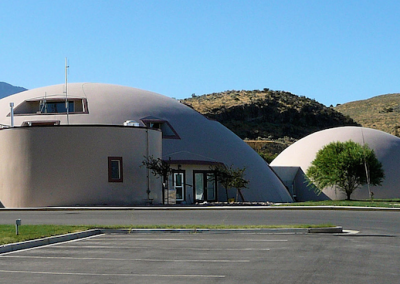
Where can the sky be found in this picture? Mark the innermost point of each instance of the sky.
(333, 51)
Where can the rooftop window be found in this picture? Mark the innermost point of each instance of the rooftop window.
(56, 107)
(168, 132)
(51, 106)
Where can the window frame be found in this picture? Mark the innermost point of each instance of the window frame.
(32, 107)
(205, 174)
(58, 106)
(120, 169)
(156, 123)
(182, 186)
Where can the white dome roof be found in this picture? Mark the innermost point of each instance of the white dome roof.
(386, 147)
(198, 138)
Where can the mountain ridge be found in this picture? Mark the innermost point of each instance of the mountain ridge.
(267, 114)
(7, 89)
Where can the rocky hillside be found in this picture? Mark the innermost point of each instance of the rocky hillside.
(267, 114)
(381, 112)
(7, 89)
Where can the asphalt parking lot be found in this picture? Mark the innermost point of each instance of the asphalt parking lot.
(209, 258)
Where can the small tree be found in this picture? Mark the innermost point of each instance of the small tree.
(347, 165)
(158, 168)
(230, 177)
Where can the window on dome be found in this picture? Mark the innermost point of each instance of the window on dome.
(56, 107)
(168, 132)
(48, 106)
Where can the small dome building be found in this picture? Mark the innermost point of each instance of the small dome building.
(85, 146)
(297, 158)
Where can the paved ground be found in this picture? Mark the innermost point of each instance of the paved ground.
(208, 258)
(371, 256)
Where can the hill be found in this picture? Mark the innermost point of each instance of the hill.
(7, 89)
(267, 114)
(380, 112)
(269, 121)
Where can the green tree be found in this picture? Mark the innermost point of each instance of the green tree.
(158, 168)
(347, 165)
(230, 177)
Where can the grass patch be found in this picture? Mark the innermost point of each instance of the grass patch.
(386, 203)
(31, 232)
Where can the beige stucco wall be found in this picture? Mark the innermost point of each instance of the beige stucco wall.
(68, 165)
(200, 139)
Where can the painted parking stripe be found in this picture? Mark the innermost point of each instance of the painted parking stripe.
(128, 259)
(110, 274)
(193, 249)
(189, 240)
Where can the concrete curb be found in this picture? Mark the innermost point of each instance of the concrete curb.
(47, 241)
(332, 230)
(213, 231)
(73, 236)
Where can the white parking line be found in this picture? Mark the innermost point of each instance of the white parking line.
(110, 274)
(163, 248)
(129, 259)
(231, 249)
(190, 240)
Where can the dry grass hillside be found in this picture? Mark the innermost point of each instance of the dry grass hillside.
(381, 112)
(267, 114)
(269, 121)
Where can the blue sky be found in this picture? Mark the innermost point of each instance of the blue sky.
(333, 51)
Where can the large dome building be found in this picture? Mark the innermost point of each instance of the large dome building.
(298, 157)
(86, 147)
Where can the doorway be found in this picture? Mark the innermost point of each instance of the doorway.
(179, 185)
(205, 186)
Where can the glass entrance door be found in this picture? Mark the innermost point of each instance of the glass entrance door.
(179, 186)
(205, 187)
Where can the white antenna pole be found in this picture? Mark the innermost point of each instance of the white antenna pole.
(66, 89)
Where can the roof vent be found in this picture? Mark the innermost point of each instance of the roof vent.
(131, 123)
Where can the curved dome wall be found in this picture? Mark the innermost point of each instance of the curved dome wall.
(199, 138)
(386, 147)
